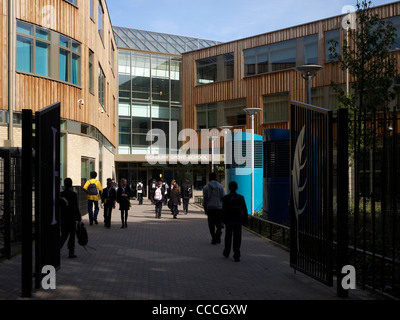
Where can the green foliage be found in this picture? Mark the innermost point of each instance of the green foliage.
(366, 56)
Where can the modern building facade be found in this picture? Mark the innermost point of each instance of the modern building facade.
(62, 51)
(150, 98)
(259, 72)
(205, 85)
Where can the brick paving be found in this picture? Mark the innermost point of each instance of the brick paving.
(170, 259)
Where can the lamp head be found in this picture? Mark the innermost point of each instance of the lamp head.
(308, 70)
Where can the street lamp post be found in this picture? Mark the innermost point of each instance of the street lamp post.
(308, 71)
(11, 70)
(226, 130)
(252, 112)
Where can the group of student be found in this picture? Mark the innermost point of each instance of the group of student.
(70, 212)
(160, 194)
(222, 210)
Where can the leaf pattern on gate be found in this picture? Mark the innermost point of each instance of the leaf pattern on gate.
(298, 166)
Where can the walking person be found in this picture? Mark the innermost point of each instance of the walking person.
(93, 189)
(165, 188)
(175, 199)
(70, 214)
(108, 197)
(234, 216)
(159, 197)
(173, 181)
(152, 189)
(213, 194)
(123, 198)
(187, 193)
(139, 188)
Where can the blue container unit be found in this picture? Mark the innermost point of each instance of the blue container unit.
(277, 175)
(238, 167)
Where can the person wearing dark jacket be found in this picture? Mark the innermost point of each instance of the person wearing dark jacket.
(213, 194)
(70, 214)
(108, 197)
(175, 199)
(187, 193)
(159, 197)
(234, 216)
(123, 198)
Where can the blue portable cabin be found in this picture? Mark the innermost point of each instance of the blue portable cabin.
(239, 167)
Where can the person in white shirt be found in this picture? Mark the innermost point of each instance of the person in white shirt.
(139, 189)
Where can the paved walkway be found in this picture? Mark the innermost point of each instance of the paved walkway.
(170, 259)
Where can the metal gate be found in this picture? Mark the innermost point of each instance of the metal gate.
(10, 202)
(311, 186)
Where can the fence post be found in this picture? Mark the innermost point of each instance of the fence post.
(26, 216)
(342, 198)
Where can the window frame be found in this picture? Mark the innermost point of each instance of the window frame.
(100, 20)
(34, 39)
(102, 87)
(214, 63)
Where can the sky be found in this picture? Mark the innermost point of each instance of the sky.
(222, 20)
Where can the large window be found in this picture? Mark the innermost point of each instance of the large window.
(207, 116)
(281, 55)
(325, 97)
(311, 49)
(100, 20)
(396, 23)
(215, 69)
(276, 107)
(91, 71)
(330, 37)
(102, 81)
(87, 165)
(149, 97)
(222, 113)
(69, 60)
(92, 10)
(33, 49)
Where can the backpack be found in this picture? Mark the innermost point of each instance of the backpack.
(92, 189)
(81, 234)
(158, 194)
(189, 191)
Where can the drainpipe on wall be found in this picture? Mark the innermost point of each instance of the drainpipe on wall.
(11, 71)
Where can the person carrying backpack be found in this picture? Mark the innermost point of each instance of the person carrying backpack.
(69, 215)
(187, 193)
(234, 216)
(93, 189)
(159, 197)
(213, 193)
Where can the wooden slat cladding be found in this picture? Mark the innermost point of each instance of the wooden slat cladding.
(253, 88)
(35, 92)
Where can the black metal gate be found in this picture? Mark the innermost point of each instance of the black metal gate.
(10, 202)
(374, 222)
(311, 191)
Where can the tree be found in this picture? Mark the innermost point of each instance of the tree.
(366, 56)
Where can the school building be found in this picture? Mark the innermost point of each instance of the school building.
(62, 51)
(115, 84)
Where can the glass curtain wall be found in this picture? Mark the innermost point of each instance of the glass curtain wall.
(150, 96)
